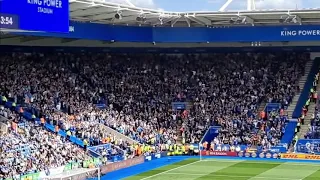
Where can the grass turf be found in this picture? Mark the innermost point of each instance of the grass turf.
(193, 169)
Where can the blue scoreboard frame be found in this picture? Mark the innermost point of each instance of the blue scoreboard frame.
(35, 15)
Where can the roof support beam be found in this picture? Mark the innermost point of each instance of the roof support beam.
(188, 21)
(251, 5)
(76, 6)
(102, 16)
(111, 15)
(200, 20)
(126, 19)
(249, 20)
(225, 5)
(164, 21)
(174, 22)
(89, 12)
(130, 3)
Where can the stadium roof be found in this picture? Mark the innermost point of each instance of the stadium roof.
(100, 11)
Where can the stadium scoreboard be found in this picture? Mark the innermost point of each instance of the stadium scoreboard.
(35, 15)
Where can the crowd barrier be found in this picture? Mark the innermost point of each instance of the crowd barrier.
(280, 148)
(122, 164)
(308, 146)
(300, 156)
(268, 155)
(219, 153)
(85, 164)
(57, 170)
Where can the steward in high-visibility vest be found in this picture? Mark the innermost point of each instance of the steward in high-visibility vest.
(186, 149)
(308, 102)
(176, 152)
(183, 149)
(191, 149)
(4, 100)
(85, 144)
(68, 132)
(170, 148)
(13, 106)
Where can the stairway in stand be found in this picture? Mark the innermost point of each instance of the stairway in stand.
(302, 82)
(307, 120)
(179, 125)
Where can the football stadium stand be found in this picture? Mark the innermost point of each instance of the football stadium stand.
(114, 85)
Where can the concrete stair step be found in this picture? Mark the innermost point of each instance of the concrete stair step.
(301, 83)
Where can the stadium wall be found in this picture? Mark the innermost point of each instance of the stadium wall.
(47, 49)
(78, 30)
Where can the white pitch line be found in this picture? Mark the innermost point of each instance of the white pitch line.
(231, 176)
(164, 172)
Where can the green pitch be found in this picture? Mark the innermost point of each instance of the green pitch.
(212, 169)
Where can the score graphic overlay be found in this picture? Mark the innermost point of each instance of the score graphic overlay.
(35, 15)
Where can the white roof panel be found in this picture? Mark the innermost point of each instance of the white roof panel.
(100, 11)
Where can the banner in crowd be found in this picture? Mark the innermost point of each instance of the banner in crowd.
(280, 148)
(308, 146)
(179, 105)
(219, 153)
(211, 133)
(94, 150)
(122, 164)
(300, 156)
(31, 176)
(272, 107)
(154, 156)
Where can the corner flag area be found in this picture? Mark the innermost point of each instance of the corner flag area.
(212, 169)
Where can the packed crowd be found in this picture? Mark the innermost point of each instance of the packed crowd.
(232, 95)
(224, 89)
(28, 148)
